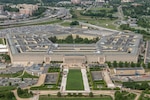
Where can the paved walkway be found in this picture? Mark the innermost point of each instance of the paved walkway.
(107, 79)
(64, 80)
(85, 80)
(41, 80)
(21, 74)
(104, 92)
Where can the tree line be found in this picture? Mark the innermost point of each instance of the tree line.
(136, 85)
(136, 11)
(103, 13)
(127, 27)
(116, 64)
(39, 11)
(8, 8)
(71, 40)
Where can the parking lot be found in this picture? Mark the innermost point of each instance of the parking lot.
(18, 82)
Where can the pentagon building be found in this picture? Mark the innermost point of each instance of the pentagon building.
(35, 47)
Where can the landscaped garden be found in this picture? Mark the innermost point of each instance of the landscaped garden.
(123, 95)
(24, 93)
(26, 75)
(71, 40)
(6, 94)
(74, 80)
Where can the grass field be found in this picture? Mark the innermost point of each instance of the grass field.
(74, 80)
(103, 22)
(1, 41)
(65, 24)
(74, 98)
(7, 88)
(26, 75)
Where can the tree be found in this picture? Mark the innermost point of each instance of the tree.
(74, 23)
(69, 39)
(109, 64)
(74, 94)
(19, 91)
(132, 64)
(143, 65)
(91, 94)
(22, 79)
(144, 86)
(148, 65)
(39, 11)
(138, 64)
(120, 64)
(58, 94)
(53, 39)
(115, 64)
(79, 94)
(10, 83)
(126, 64)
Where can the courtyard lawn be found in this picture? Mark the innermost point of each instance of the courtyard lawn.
(26, 75)
(74, 98)
(1, 41)
(74, 80)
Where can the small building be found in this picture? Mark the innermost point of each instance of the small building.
(129, 71)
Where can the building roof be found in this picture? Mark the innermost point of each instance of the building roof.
(130, 68)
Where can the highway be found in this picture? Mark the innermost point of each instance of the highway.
(61, 13)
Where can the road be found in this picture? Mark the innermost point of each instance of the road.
(120, 13)
(61, 12)
(97, 27)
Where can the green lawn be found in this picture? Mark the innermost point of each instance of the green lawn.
(65, 24)
(1, 41)
(49, 22)
(26, 75)
(103, 22)
(73, 98)
(6, 94)
(74, 80)
(45, 87)
(7, 88)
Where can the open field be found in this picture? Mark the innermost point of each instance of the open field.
(74, 80)
(73, 98)
(65, 24)
(103, 22)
